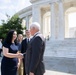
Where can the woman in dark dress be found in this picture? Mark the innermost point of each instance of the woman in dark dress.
(11, 56)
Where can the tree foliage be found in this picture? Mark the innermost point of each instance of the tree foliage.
(12, 23)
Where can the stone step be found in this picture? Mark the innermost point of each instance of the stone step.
(64, 48)
(60, 43)
(53, 42)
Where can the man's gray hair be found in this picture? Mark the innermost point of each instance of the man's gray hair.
(35, 25)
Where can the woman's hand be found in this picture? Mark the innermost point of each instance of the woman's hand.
(20, 55)
(31, 73)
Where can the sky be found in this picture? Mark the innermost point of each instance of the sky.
(72, 19)
(10, 7)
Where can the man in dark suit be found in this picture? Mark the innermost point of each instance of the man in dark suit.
(24, 46)
(34, 54)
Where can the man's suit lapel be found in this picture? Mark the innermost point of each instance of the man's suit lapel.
(34, 37)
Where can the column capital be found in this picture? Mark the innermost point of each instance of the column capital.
(27, 15)
(52, 3)
(60, 1)
(32, 1)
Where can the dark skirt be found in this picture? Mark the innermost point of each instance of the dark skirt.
(5, 71)
(8, 68)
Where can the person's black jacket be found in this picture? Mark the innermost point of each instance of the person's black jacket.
(34, 55)
(24, 46)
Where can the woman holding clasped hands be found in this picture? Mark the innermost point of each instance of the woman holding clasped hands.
(11, 56)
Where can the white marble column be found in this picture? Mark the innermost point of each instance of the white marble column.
(53, 20)
(36, 14)
(23, 23)
(66, 26)
(27, 22)
(61, 33)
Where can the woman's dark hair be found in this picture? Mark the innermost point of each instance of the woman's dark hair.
(9, 37)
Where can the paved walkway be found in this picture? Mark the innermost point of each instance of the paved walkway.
(56, 73)
(59, 66)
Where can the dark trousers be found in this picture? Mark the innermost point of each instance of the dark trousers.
(0, 51)
(38, 74)
(24, 73)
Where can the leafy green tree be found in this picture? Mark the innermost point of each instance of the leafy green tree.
(12, 23)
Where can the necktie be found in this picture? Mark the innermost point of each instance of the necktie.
(27, 40)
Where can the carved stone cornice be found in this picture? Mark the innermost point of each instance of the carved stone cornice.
(32, 1)
(29, 8)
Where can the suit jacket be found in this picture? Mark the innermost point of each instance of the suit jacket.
(34, 55)
(24, 45)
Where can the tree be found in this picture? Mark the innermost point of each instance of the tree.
(12, 23)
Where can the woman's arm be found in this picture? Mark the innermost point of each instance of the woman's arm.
(11, 55)
(19, 61)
